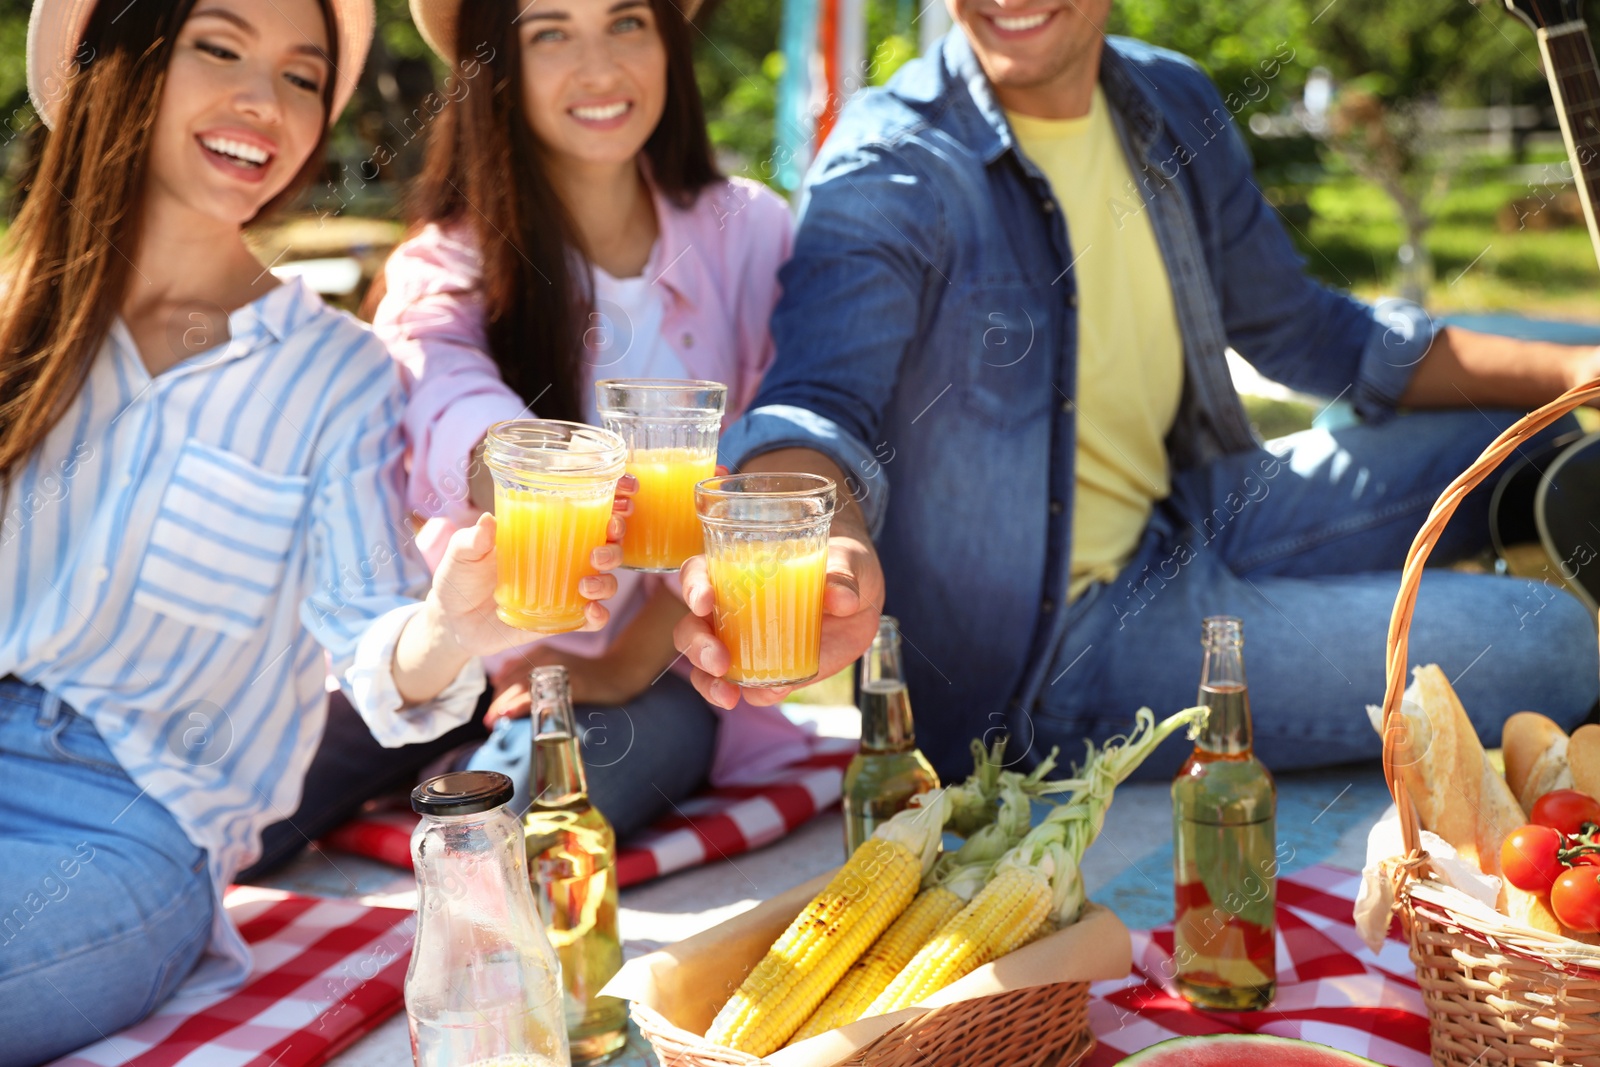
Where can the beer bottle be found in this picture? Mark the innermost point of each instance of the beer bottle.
(889, 769)
(1224, 863)
(572, 853)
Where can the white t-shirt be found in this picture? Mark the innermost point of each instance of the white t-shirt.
(624, 338)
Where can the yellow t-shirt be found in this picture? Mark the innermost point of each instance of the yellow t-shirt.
(1130, 356)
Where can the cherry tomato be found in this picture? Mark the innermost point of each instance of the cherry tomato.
(1586, 859)
(1565, 810)
(1528, 858)
(1575, 898)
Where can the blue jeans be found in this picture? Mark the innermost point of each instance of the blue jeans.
(640, 759)
(107, 905)
(1304, 542)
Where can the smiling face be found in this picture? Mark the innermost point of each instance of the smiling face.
(243, 105)
(1029, 47)
(594, 77)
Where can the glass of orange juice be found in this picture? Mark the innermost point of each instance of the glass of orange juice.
(553, 484)
(766, 546)
(671, 429)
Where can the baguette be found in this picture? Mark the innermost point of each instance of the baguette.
(1456, 790)
(1583, 757)
(1536, 757)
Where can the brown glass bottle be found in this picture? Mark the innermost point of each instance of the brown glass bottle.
(1224, 860)
(889, 769)
(572, 854)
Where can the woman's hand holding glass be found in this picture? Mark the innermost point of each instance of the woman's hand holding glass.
(463, 587)
(458, 620)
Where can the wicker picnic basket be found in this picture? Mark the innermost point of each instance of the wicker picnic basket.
(1497, 992)
(1041, 1026)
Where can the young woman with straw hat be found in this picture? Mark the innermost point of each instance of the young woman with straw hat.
(200, 481)
(572, 225)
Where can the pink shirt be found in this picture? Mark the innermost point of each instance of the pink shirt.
(716, 263)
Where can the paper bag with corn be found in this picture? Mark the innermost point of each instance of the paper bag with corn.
(898, 924)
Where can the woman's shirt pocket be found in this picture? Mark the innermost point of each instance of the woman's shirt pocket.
(222, 536)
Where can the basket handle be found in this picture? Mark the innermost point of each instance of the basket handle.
(1411, 576)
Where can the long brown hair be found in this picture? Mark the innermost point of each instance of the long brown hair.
(483, 169)
(77, 231)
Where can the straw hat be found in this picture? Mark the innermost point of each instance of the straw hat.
(56, 28)
(436, 21)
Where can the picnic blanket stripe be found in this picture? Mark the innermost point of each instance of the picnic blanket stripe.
(715, 824)
(372, 1001)
(276, 918)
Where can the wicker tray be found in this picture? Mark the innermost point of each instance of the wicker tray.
(1037, 1027)
(1496, 992)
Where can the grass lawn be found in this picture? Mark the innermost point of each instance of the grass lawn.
(1482, 262)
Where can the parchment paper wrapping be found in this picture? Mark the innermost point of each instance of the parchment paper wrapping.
(1385, 847)
(687, 982)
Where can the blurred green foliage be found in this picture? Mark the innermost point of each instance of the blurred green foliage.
(738, 63)
(738, 66)
(1455, 51)
(1259, 52)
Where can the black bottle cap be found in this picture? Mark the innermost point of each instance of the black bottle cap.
(462, 793)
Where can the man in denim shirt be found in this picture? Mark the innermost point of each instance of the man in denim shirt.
(933, 356)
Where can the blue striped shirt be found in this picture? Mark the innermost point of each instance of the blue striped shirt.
(185, 555)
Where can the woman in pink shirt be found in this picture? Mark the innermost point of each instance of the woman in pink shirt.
(572, 225)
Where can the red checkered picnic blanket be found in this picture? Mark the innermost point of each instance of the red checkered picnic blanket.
(1331, 988)
(712, 825)
(326, 972)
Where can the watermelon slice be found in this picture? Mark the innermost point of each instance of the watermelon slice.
(1242, 1050)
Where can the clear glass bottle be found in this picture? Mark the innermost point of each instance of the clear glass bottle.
(889, 769)
(572, 853)
(1224, 859)
(483, 988)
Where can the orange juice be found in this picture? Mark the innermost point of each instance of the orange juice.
(769, 607)
(663, 530)
(543, 543)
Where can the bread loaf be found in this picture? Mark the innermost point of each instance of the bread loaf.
(1583, 758)
(1456, 790)
(1530, 909)
(1536, 757)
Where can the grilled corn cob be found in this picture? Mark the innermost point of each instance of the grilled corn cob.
(1013, 904)
(957, 877)
(1037, 885)
(861, 901)
(888, 955)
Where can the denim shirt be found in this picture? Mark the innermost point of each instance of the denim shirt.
(927, 343)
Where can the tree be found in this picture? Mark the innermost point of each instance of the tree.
(1397, 67)
(1393, 63)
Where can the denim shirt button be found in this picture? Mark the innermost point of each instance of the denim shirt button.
(1048, 206)
(1048, 606)
(1072, 300)
(1055, 507)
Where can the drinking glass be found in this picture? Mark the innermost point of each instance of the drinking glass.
(671, 428)
(766, 547)
(553, 486)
